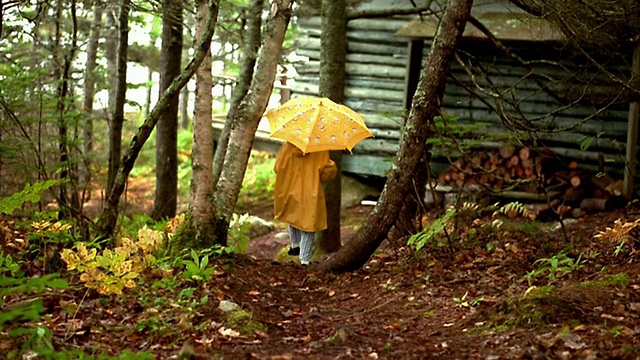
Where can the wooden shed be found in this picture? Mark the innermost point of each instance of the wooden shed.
(385, 58)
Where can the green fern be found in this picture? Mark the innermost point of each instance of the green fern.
(422, 238)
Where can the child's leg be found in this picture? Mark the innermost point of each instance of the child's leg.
(306, 245)
(294, 236)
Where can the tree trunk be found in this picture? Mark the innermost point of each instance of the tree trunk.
(245, 122)
(111, 54)
(416, 131)
(245, 74)
(184, 108)
(108, 217)
(201, 204)
(117, 117)
(90, 77)
(166, 195)
(333, 56)
(62, 62)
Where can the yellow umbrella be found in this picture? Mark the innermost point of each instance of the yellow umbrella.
(317, 124)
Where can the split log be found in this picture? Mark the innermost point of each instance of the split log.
(506, 151)
(524, 153)
(595, 205)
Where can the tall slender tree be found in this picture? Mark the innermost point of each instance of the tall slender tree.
(201, 204)
(166, 194)
(90, 76)
(250, 111)
(117, 112)
(245, 74)
(418, 128)
(108, 217)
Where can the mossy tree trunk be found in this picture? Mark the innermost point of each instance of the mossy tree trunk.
(416, 131)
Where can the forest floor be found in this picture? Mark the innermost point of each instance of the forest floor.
(470, 299)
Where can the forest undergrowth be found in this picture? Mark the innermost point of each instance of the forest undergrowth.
(473, 284)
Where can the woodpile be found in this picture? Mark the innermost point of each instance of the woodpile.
(561, 188)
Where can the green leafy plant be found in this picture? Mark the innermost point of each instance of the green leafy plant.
(9, 266)
(237, 236)
(112, 270)
(463, 302)
(426, 235)
(196, 267)
(30, 193)
(555, 266)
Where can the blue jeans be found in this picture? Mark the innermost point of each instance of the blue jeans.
(304, 240)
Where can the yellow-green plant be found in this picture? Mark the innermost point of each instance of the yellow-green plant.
(113, 270)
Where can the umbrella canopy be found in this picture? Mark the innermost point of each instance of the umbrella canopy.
(317, 124)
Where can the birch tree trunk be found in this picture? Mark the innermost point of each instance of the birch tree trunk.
(416, 131)
(117, 117)
(108, 217)
(166, 194)
(245, 121)
(201, 204)
(333, 56)
(245, 74)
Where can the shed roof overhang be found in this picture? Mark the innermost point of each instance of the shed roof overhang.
(504, 26)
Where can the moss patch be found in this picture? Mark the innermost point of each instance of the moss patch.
(243, 322)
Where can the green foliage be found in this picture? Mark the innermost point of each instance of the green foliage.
(429, 233)
(237, 235)
(259, 179)
(196, 268)
(464, 302)
(113, 270)
(9, 267)
(30, 193)
(37, 338)
(555, 266)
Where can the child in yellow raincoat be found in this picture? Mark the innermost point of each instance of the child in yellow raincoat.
(298, 195)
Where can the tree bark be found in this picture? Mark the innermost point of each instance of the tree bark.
(245, 74)
(250, 111)
(333, 57)
(117, 117)
(90, 77)
(185, 120)
(418, 128)
(166, 194)
(108, 217)
(201, 204)
(62, 62)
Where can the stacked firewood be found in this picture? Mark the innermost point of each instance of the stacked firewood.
(561, 187)
(491, 168)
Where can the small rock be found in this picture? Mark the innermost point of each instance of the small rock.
(228, 306)
(283, 235)
(259, 227)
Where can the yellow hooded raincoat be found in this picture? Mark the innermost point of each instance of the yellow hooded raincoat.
(298, 195)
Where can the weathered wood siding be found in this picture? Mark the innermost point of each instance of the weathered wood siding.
(376, 74)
